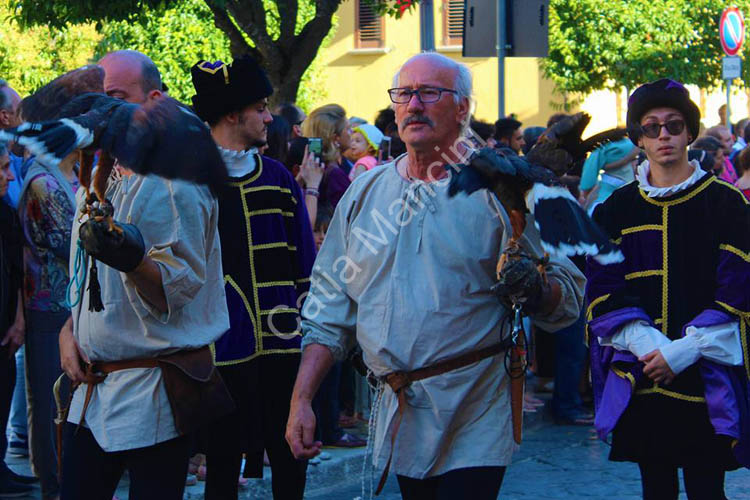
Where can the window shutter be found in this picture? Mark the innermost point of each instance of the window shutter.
(453, 22)
(370, 28)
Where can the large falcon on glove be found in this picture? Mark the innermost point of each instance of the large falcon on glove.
(160, 137)
(530, 185)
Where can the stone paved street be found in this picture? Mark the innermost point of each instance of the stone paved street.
(554, 462)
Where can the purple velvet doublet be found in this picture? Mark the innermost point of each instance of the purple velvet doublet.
(687, 262)
(267, 252)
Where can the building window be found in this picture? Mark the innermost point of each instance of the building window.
(453, 22)
(370, 27)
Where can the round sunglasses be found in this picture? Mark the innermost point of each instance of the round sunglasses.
(652, 130)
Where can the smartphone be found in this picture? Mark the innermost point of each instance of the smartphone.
(315, 146)
(385, 148)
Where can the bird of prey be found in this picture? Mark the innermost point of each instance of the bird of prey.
(160, 137)
(561, 149)
(531, 184)
(522, 187)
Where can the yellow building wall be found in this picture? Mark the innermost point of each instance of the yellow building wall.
(358, 79)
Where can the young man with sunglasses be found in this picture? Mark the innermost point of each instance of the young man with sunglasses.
(667, 326)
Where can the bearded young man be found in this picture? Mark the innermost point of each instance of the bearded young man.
(267, 253)
(406, 271)
(667, 325)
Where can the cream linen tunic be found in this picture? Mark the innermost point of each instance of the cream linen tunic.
(178, 221)
(407, 271)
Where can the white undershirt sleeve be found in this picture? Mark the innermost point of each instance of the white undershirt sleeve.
(719, 343)
(637, 337)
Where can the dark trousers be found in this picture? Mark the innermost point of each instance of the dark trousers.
(570, 357)
(7, 384)
(477, 483)
(89, 473)
(701, 483)
(261, 389)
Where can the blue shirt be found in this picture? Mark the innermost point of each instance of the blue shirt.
(14, 186)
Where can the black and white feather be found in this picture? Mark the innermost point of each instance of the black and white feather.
(521, 187)
(161, 137)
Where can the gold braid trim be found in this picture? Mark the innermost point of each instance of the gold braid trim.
(739, 253)
(623, 374)
(664, 392)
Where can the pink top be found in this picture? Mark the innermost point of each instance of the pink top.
(366, 161)
(728, 174)
(746, 192)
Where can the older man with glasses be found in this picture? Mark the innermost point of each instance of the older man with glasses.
(406, 272)
(668, 325)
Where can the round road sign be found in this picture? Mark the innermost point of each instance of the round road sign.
(731, 30)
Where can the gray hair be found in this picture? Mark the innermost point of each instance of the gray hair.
(463, 85)
(5, 102)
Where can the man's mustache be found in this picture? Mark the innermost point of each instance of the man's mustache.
(417, 119)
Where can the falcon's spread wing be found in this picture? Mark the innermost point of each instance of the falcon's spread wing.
(50, 142)
(162, 137)
(171, 141)
(564, 227)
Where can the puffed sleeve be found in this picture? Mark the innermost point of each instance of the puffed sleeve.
(173, 220)
(329, 314)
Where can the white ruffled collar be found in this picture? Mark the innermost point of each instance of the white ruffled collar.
(239, 163)
(660, 192)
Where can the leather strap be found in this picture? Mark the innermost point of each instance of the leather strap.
(97, 371)
(400, 380)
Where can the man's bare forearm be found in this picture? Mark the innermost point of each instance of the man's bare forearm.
(147, 279)
(316, 361)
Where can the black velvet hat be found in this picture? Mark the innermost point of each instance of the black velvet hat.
(664, 93)
(221, 88)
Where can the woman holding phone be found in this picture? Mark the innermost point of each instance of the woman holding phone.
(329, 124)
(309, 174)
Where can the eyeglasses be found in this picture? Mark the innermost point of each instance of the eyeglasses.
(425, 95)
(652, 130)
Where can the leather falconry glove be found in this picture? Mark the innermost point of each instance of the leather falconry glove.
(123, 251)
(520, 282)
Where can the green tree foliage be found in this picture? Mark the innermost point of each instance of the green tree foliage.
(623, 43)
(284, 35)
(175, 38)
(32, 57)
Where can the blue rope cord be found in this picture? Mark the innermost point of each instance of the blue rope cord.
(78, 281)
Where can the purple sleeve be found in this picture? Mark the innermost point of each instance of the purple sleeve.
(305, 243)
(337, 184)
(610, 323)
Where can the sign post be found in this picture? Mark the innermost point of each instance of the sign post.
(731, 36)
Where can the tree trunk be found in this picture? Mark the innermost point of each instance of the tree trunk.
(285, 89)
(285, 58)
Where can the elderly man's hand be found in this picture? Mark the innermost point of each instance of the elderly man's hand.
(300, 430)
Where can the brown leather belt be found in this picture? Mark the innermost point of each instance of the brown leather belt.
(95, 374)
(97, 371)
(398, 381)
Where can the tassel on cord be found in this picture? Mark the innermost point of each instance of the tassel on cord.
(95, 290)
